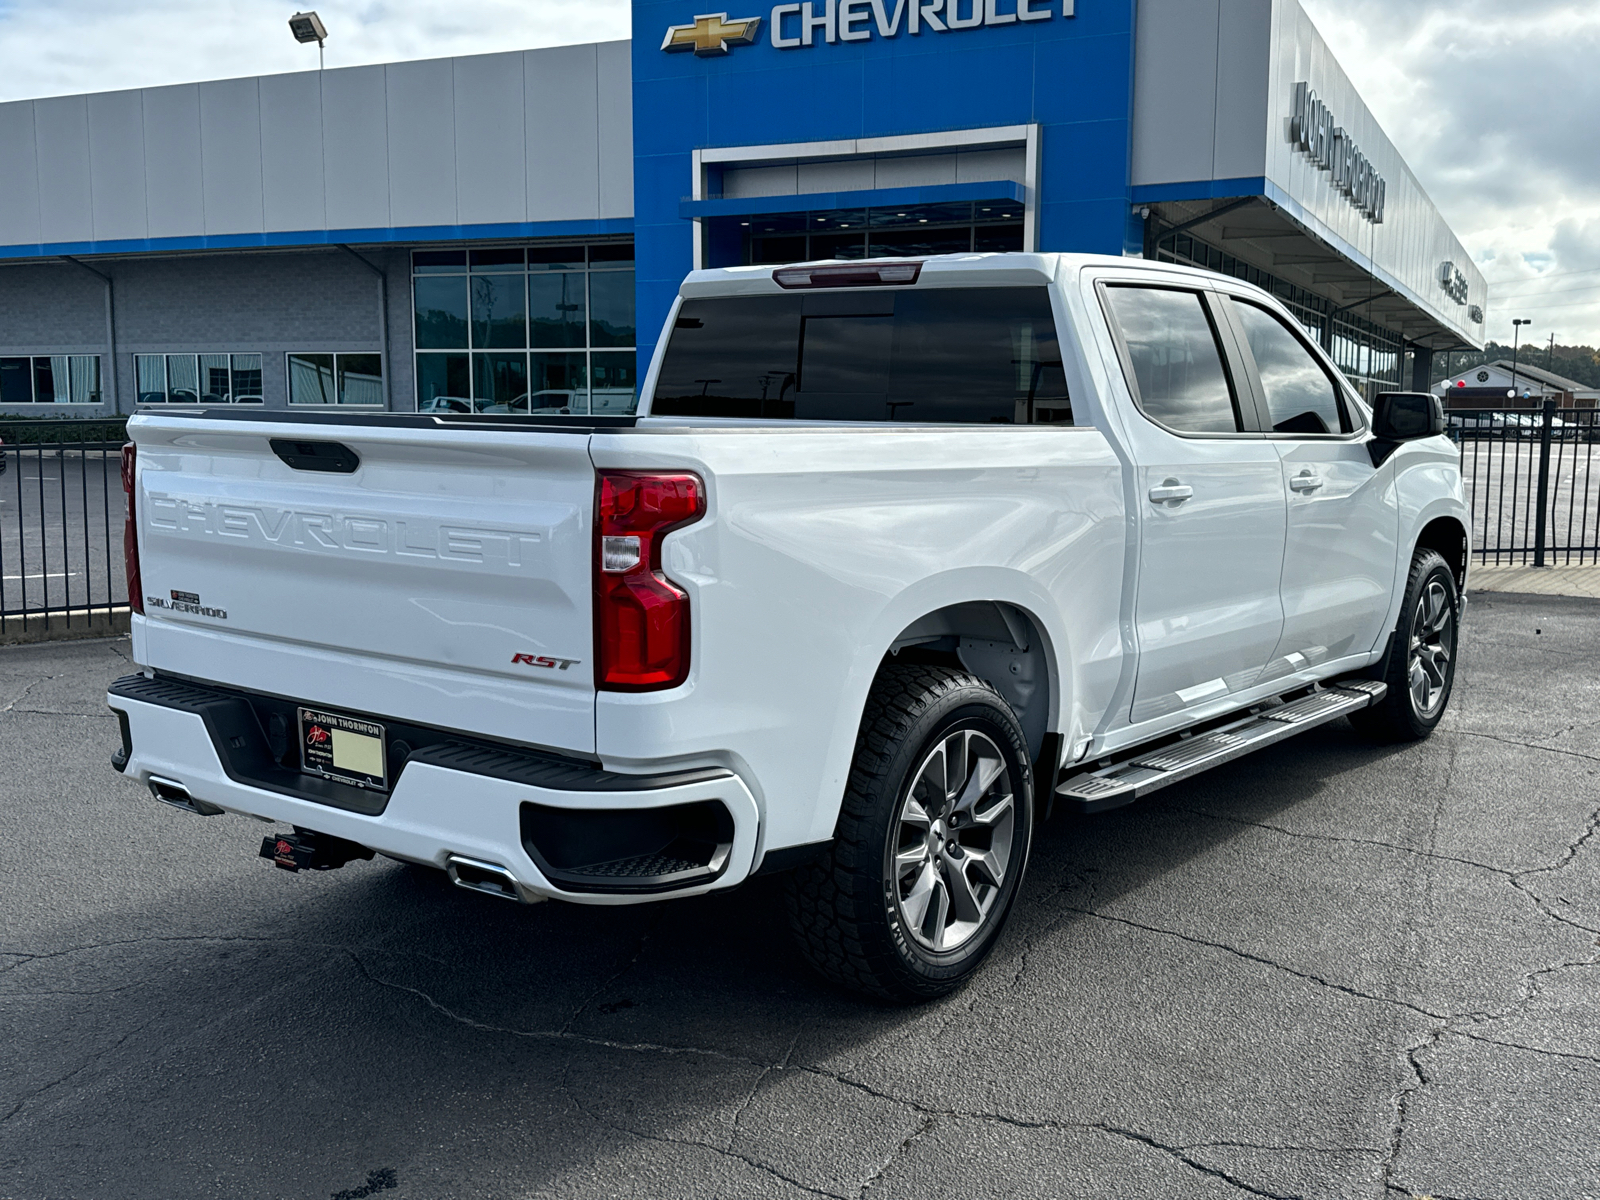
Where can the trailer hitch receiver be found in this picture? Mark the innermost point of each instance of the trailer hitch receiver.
(308, 850)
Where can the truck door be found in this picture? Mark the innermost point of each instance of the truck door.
(1339, 559)
(1210, 499)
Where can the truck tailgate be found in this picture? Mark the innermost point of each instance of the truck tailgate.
(446, 579)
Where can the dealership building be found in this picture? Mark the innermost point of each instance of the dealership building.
(506, 232)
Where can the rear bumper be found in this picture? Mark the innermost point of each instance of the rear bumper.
(460, 799)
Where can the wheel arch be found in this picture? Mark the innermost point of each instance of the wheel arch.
(999, 642)
(996, 613)
(1443, 531)
(1447, 536)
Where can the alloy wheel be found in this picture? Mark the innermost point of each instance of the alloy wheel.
(953, 840)
(1432, 645)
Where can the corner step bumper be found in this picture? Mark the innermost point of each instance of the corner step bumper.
(1149, 770)
(599, 839)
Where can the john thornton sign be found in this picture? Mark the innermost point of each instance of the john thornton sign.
(1331, 148)
(793, 26)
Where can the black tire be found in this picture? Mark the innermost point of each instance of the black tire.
(850, 910)
(1416, 703)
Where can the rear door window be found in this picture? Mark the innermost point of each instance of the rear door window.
(1173, 354)
(948, 355)
(1301, 396)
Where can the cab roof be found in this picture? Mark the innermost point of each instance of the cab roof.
(937, 270)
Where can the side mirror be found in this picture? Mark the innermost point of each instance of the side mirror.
(1403, 417)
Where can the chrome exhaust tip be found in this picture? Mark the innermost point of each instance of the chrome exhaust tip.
(170, 791)
(489, 878)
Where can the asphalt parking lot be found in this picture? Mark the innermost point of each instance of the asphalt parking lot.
(1330, 970)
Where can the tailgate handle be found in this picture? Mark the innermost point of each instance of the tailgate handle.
(316, 456)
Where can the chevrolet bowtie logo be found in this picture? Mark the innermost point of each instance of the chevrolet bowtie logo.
(712, 34)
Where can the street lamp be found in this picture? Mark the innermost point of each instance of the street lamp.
(1516, 334)
(307, 27)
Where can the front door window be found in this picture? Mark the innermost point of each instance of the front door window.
(1301, 397)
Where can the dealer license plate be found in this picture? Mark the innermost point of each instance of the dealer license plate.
(343, 748)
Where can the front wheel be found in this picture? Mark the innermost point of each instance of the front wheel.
(1422, 658)
(932, 840)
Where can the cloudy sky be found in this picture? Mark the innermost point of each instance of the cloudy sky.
(1493, 104)
(1495, 107)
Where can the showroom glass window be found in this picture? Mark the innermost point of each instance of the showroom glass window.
(198, 378)
(895, 231)
(50, 379)
(526, 329)
(336, 379)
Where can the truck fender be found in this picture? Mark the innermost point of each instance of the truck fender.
(976, 586)
(1427, 488)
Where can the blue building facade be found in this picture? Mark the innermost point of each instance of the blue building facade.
(1064, 70)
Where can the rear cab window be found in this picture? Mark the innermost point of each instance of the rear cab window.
(1173, 358)
(977, 355)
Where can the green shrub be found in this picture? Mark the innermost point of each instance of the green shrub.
(58, 431)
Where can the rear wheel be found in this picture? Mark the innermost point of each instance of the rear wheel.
(1422, 658)
(932, 840)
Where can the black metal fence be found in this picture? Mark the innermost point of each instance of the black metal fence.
(1532, 479)
(1533, 483)
(61, 517)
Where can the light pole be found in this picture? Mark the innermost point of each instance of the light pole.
(307, 27)
(1516, 333)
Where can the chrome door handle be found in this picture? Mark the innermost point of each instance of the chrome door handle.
(1305, 482)
(1171, 490)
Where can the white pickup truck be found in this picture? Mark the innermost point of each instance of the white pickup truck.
(895, 557)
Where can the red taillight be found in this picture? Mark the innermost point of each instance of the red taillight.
(641, 620)
(130, 535)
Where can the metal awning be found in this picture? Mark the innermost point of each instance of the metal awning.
(1255, 230)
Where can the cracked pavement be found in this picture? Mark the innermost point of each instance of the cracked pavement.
(1327, 970)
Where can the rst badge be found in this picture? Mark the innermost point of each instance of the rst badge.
(540, 660)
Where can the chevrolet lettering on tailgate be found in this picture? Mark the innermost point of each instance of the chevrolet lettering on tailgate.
(416, 537)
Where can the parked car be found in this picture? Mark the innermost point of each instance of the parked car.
(552, 402)
(446, 404)
(897, 557)
(1500, 425)
(460, 404)
(612, 401)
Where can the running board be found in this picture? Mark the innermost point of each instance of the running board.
(1149, 770)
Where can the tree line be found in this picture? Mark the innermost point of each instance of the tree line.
(1578, 363)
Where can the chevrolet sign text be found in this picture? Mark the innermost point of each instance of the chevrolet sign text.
(797, 25)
